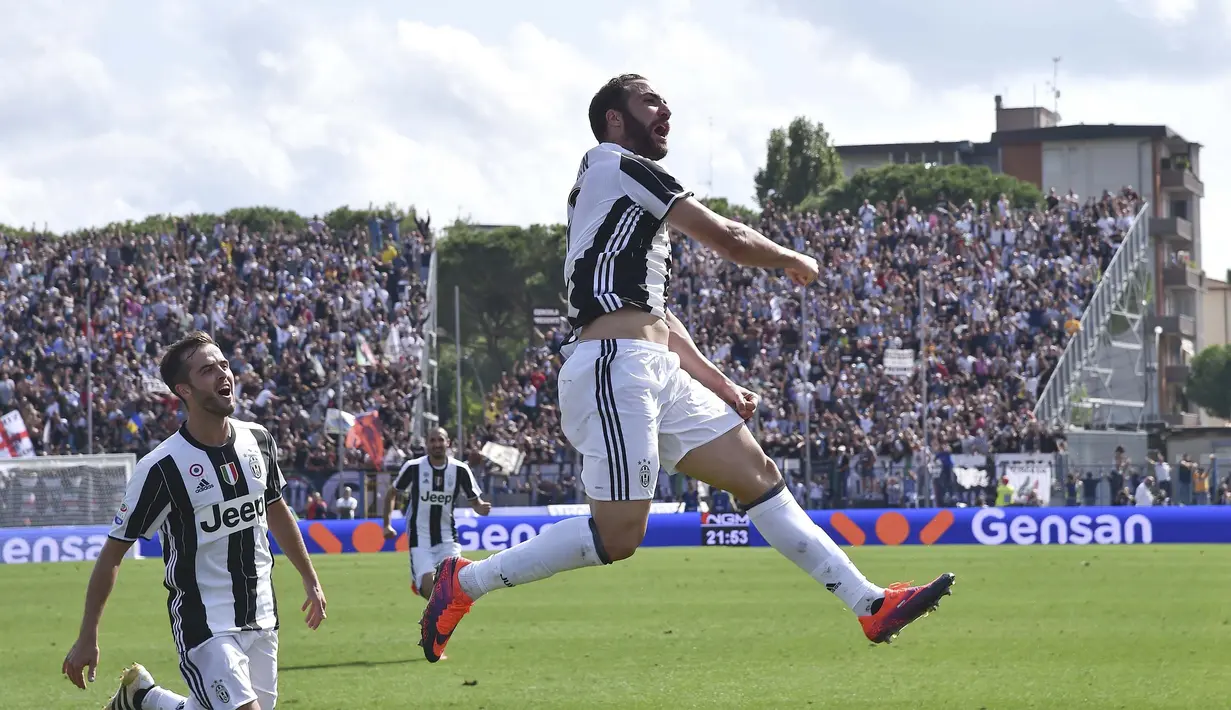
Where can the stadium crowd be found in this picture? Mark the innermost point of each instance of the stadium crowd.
(273, 300)
(1002, 291)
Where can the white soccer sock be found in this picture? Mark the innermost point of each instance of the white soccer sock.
(568, 544)
(159, 698)
(789, 529)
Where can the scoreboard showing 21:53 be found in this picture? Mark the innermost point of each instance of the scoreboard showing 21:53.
(724, 530)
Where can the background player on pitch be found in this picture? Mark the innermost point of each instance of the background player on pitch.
(636, 393)
(432, 484)
(213, 490)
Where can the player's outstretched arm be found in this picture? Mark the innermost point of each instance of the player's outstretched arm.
(286, 532)
(738, 242)
(702, 370)
(102, 580)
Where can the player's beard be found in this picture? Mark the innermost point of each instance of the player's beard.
(215, 403)
(645, 143)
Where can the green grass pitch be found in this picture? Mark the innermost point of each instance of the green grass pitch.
(1038, 627)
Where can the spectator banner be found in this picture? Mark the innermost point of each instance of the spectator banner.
(899, 363)
(507, 458)
(153, 385)
(548, 316)
(1028, 472)
(14, 439)
(969, 470)
(338, 421)
(907, 526)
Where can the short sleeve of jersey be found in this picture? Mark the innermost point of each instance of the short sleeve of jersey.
(276, 482)
(269, 449)
(406, 476)
(466, 484)
(649, 185)
(147, 501)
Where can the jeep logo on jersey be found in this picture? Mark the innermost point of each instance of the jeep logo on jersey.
(435, 497)
(232, 515)
(228, 473)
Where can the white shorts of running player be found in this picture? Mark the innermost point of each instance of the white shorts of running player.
(628, 408)
(425, 559)
(231, 670)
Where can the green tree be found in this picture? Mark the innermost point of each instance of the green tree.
(503, 275)
(727, 209)
(800, 160)
(924, 185)
(1209, 380)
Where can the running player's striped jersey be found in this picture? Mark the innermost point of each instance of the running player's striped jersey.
(619, 254)
(209, 505)
(431, 494)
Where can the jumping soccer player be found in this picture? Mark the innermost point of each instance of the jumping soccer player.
(214, 491)
(636, 393)
(432, 484)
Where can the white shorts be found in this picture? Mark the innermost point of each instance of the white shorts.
(425, 559)
(629, 409)
(230, 670)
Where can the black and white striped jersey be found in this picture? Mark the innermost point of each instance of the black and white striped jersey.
(619, 254)
(431, 493)
(209, 504)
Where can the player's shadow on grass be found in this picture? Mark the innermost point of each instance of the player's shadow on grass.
(348, 664)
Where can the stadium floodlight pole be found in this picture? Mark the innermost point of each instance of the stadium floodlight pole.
(806, 341)
(925, 479)
(341, 361)
(457, 342)
(89, 371)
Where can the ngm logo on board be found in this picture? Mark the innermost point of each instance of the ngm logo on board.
(990, 527)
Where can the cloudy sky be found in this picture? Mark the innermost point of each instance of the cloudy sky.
(113, 109)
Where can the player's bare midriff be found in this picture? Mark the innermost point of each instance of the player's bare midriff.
(627, 323)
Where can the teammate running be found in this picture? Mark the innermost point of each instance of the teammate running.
(213, 490)
(636, 393)
(433, 484)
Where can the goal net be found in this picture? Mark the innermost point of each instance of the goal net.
(49, 491)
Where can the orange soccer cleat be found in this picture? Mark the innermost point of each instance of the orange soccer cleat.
(902, 605)
(444, 610)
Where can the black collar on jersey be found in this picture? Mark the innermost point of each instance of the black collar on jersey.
(433, 466)
(189, 438)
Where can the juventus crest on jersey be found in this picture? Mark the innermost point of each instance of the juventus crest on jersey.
(619, 254)
(209, 503)
(431, 494)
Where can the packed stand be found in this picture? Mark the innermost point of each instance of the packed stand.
(1004, 289)
(273, 300)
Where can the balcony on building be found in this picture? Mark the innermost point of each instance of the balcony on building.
(1181, 276)
(1176, 230)
(1181, 419)
(1175, 174)
(1176, 373)
(1185, 326)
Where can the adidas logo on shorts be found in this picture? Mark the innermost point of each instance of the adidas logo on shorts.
(204, 485)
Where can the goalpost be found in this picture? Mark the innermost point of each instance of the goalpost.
(48, 491)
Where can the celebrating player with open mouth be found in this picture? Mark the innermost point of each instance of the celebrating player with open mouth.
(214, 491)
(636, 393)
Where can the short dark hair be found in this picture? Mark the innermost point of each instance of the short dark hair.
(172, 366)
(613, 95)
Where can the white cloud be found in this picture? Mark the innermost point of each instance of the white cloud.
(1168, 12)
(119, 111)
